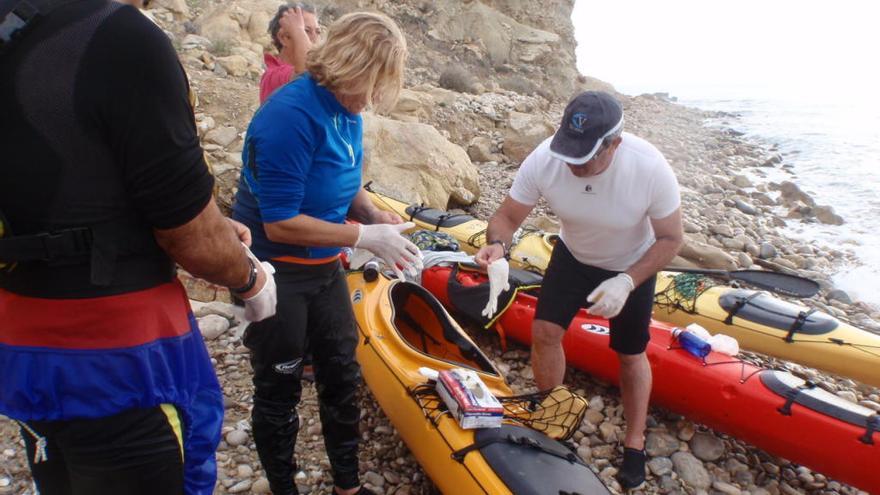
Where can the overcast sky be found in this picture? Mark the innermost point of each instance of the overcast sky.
(781, 45)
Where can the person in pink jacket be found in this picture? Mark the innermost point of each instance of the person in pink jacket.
(294, 30)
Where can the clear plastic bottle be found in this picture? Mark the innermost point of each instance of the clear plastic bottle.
(692, 343)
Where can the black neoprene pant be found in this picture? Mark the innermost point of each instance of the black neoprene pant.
(314, 316)
(136, 452)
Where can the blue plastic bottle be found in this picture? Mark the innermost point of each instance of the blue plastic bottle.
(691, 343)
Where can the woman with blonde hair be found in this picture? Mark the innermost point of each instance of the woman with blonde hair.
(301, 178)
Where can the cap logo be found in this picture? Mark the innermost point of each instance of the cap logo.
(578, 120)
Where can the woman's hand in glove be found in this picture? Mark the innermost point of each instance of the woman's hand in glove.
(386, 242)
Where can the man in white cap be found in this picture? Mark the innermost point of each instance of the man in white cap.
(619, 207)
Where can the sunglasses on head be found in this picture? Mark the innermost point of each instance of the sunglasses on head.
(601, 150)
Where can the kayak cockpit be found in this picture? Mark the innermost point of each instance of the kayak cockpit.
(811, 396)
(423, 323)
(530, 463)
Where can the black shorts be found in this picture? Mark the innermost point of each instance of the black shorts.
(568, 282)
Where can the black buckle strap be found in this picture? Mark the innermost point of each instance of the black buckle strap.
(524, 441)
(18, 16)
(798, 324)
(415, 210)
(15, 18)
(792, 395)
(872, 425)
(47, 246)
(446, 217)
(739, 305)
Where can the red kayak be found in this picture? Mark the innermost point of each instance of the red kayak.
(773, 410)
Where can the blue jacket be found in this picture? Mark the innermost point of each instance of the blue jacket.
(303, 154)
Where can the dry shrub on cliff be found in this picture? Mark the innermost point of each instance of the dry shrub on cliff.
(457, 78)
(518, 84)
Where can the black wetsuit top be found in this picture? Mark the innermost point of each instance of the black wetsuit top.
(96, 130)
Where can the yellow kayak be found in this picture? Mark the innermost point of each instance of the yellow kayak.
(404, 328)
(531, 250)
(759, 321)
(769, 325)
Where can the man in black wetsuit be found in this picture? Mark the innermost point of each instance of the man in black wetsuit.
(103, 186)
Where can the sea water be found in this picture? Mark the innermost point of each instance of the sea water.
(798, 74)
(830, 146)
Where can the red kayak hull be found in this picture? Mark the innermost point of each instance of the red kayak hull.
(723, 393)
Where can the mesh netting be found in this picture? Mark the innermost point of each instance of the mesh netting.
(556, 413)
(683, 292)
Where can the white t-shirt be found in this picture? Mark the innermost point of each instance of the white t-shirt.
(604, 218)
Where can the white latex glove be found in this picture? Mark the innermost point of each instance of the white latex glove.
(262, 304)
(608, 299)
(498, 282)
(385, 241)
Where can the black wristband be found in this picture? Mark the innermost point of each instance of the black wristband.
(252, 279)
(503, 246)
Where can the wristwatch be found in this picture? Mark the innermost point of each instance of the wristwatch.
(503, 246)
(252, 280)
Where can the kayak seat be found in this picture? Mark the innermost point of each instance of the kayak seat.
(762, 308)
(522, 278)
(421, 320)
(807, 394)
(530, 463)
(437, 218)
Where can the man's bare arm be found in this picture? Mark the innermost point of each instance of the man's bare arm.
(669, 236)
(504, 222)
(209, 247)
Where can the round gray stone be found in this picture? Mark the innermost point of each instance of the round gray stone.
(660, 465)
(661, 444)
(707, 447)
(745, 207)
(236, 437)
(691, 470)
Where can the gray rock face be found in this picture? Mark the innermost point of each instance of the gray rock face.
(480, 149)
(691, 470)
(707, 447)
(524, 132)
